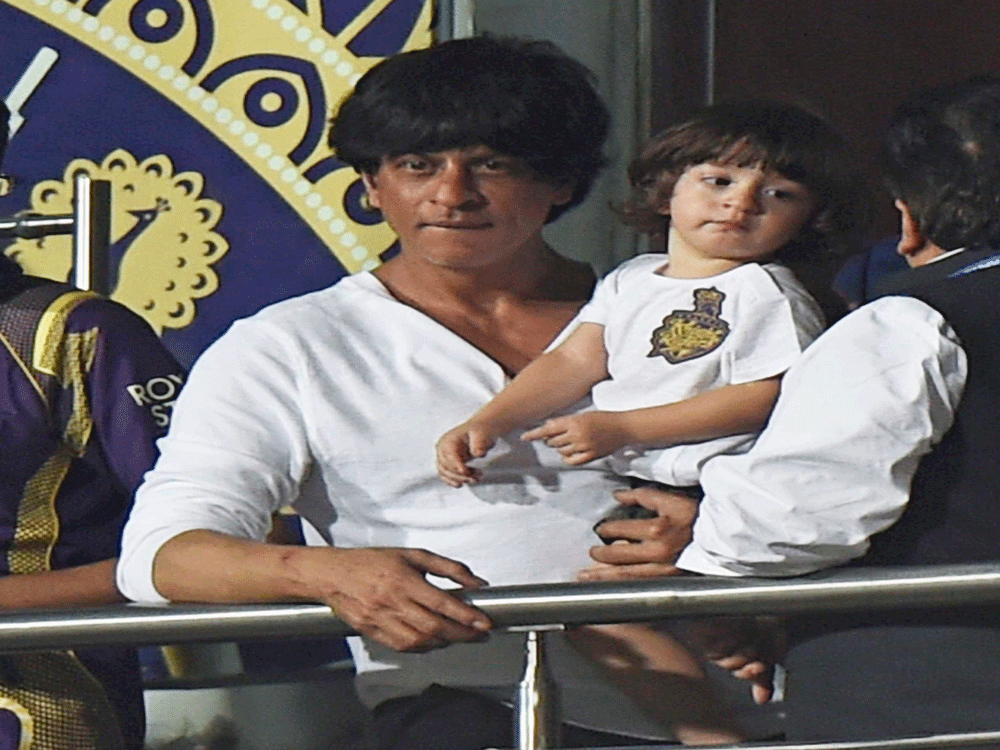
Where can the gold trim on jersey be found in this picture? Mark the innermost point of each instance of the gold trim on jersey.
(48, 335)
(37, 521)
(59, 701)
(24, 717)
(68, 357)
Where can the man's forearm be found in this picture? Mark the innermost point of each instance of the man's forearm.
(206, 566)
(84, 585)
(381, 592)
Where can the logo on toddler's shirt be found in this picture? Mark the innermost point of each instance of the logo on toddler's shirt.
(689, 334)
(159, 395)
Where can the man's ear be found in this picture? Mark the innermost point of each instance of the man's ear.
(911, 240)
(371, 190)
(913, 244)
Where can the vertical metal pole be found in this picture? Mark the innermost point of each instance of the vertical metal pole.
(537, 717)
(456, 19)
(463, 18)
(91, 233)
(710, 15)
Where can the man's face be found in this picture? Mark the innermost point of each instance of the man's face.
(463, 208)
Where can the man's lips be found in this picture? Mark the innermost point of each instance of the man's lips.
(457, 224)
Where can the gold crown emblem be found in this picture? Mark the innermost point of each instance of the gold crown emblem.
(689, 334)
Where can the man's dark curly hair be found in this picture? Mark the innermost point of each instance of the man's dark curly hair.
(521, 98)
(942, 158)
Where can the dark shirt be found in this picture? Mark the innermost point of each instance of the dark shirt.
(74, 454)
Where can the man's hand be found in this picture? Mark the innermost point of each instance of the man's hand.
(747, 647)
(652, 545)
(382, 593)
(458, 446)
(580, 438)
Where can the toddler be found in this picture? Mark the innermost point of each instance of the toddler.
(687, 346)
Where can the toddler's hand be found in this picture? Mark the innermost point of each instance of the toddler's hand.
(582, 437)
(456, 447)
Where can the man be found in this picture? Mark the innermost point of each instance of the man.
(78, 433)
(332, 402)
(882, 450)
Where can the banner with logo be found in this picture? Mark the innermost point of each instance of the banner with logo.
(209, 118)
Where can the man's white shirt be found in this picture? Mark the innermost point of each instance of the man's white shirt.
(833, 467)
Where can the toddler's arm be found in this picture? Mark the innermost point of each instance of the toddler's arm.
(729, 410)
(554, 381)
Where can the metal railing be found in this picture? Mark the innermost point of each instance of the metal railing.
(539, 607)
(520, 607)
(89, 223)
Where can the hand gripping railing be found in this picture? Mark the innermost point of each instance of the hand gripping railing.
(89, 223)
(539, 607)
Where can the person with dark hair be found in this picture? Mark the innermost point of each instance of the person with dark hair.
(882, 451)
(78, 428)
(331, 402)
(520, 98)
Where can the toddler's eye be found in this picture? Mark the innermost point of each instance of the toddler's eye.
(782, 194)
(718, 181)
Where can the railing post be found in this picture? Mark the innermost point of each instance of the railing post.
(537, 717)
(91, 233)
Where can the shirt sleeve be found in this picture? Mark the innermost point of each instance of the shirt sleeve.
(132, 383)
(834, 465)
(237, 452)
(778, 321)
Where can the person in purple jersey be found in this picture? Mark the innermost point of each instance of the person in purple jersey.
(87, 389)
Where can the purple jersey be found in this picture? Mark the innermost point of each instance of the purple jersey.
(87, 390)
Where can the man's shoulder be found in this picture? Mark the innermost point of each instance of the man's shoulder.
(353, 305)
(953, 266)
(892, 318)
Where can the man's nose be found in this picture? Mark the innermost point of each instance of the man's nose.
(455, 187)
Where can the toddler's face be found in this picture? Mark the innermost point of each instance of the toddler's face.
(736, 213)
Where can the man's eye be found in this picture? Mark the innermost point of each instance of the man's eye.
(413, 164)
(496, 165)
